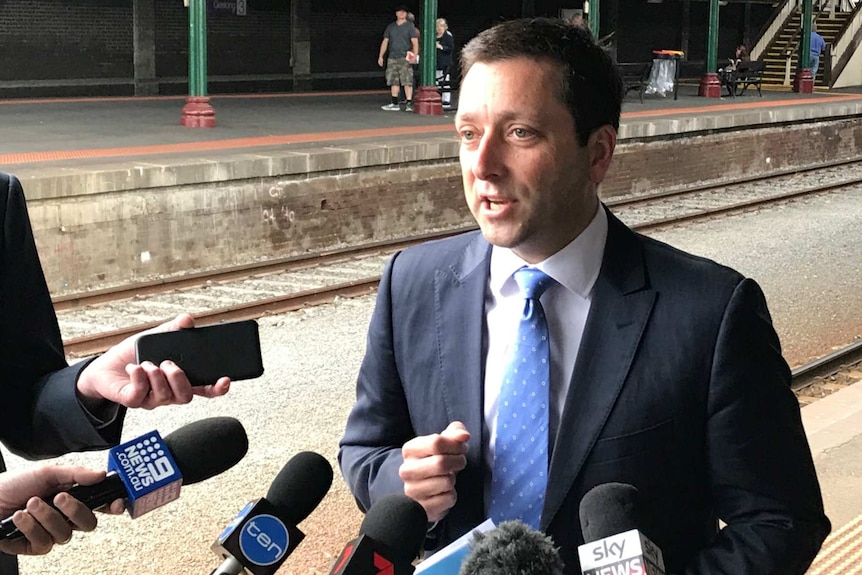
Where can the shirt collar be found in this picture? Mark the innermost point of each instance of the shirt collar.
(576, 266)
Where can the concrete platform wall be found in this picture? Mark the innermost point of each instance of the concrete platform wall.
(120, 225)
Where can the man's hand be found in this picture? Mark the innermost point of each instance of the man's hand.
(114, 376)
(431, 463)
(42, 526)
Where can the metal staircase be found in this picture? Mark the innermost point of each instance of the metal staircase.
(784, 46)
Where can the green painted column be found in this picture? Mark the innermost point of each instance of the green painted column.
(594, 17)
(805, 44)
(712, 41)
(803, 81)
(710, 86)
(428, 49)
(426, 98)
(197, 112)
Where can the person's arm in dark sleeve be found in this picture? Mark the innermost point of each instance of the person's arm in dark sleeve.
(447, 43)
(761, 472)
(379, 423)
(40, 415)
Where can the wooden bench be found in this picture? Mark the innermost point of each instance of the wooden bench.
(635, 77)
(746, 74)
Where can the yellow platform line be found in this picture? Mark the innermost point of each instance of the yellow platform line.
(841, 552)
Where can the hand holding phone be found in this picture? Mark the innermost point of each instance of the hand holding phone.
(207, 353)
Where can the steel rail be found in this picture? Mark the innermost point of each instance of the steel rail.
(807, 374)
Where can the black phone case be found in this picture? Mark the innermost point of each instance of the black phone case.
(207, 353)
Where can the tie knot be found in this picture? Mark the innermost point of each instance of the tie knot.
(533, 282)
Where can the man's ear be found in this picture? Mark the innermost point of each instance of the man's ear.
(600, 148)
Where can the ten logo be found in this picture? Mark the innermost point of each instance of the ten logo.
(264, 540)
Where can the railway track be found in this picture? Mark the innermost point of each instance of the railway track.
(828, 374)
(94, 321)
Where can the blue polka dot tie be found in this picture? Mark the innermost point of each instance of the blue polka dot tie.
(521, 449)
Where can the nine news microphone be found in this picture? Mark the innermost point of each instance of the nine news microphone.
(149, 470)
(264, 532)
(390, 538)
(512, 548)
(609, 522)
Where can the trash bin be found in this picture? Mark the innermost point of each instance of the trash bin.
(665, 73)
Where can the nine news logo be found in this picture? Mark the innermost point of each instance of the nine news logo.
(145, 462)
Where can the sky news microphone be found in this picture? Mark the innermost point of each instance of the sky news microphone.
(512, 548)
(390, 538)
(614, 546)
(265, 531)
(148, 471)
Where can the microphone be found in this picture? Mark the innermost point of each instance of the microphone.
(390, 538)
(264, 533)
(512, 548)
(148, 471)
(613, 544)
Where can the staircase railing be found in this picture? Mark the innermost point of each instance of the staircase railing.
(791, 47)
(779, 17)
(846, 44)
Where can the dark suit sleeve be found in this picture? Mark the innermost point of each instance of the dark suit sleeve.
(761, 473)
(39, 412)
(379, 423)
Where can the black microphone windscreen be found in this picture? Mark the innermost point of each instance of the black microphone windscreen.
(512, 548)
(608, 509)
(300, 485)
(207, 447)
(399, 523)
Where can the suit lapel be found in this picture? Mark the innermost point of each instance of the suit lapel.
(622, 301)
(459, 303)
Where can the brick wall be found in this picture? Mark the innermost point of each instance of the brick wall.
(93, 241)
(52, 39)
(673, 163)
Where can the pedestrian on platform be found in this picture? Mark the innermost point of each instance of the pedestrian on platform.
(399, 37)
(48, 408)
(509, 371)
(577, 18)
(413, 57)
(817, 46)
(445, 47)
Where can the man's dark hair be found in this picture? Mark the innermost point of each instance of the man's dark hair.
(591, 86)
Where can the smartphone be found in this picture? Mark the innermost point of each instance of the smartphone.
(207, 353)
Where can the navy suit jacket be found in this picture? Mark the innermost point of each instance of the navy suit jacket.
(679, 389)
(40, 415)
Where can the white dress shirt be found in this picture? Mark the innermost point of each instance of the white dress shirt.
(566, 304)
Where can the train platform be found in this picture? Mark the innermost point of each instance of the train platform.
(38, 137)
(834, 429)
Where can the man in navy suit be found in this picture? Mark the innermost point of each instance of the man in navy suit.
(665, 370)
(48, 408)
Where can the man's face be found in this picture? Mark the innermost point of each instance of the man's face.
(527, 181)
(400, 14)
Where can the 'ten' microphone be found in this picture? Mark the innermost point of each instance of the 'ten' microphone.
(609, 522)
(148, 471)
(512, 548)
(265, 531)
(390, 538)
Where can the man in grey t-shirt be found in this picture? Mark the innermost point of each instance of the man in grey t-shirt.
(399, 37)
